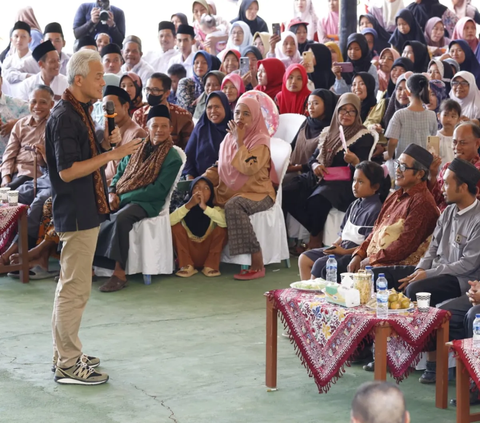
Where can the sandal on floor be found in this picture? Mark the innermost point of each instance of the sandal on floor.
(39, 273)
(113, 284)
(210, 273)
(187, 271)
(248, 275)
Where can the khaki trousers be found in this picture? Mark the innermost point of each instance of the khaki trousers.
(73, 291)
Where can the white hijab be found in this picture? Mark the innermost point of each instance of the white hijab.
(247, 37)
(308, 16)
(390, 10)
(279, 54)
(471, 103)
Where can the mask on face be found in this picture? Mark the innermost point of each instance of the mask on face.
(154, 100)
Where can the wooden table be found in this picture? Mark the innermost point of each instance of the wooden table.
(463, 392)
(382, 332)
(23, 266)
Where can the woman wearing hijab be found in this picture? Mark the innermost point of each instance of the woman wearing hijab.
(132, 84)
(320, 106)
(465, 92)
(371, 36)
(243, 181)
(270, 76)
(435, 36)
(418, 54)
(438, 93)
(363, 86)
(385, 64)
(407, 30)
(385, 12)
(460, 51)
(212, 81)
(239, 37)
(190, 89)
(305, 12)
(463, 8)
(322, 75)
(337, 55)
(286, 49)
(328, 25)
(311, 196)
(359, 55)
(204, 143)
(199, 8)
(300, 31)
(441, 71)
(199, 231)
(254, 56)
(261, 40)
(294, 93)
(369, 21)
(179, 19)
(231, 61)
(233, 88)
(423, 10)
(248, 14)
(466, 30)
(400, 66)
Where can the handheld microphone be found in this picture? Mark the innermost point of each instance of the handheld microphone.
(110, 115)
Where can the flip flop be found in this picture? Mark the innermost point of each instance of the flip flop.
(36, 273)
(210, 273)
(188, 271)
(248, 275)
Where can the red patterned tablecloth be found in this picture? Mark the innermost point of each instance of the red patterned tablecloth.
(325, 335)
(9, 216)
(470, 356)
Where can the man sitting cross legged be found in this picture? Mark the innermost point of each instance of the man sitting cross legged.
(138, 190)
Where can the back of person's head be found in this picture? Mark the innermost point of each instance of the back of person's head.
(379, 402)
(418, 87)
(208, 21)
(79, 64)
(450, 105)
(377, 175)
(177, 70)
(166, 80)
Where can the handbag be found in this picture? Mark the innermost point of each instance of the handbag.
(338, 173)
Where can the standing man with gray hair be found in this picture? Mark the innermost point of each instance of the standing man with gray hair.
(80, 204)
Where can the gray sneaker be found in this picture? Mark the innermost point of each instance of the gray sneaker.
(79, 374)
(87, 359)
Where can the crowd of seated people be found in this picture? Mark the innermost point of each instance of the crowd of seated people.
(409, 73)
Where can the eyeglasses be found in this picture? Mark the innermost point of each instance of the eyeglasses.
(403, 167)
(343, 112)
(154, 91)
(461, 83)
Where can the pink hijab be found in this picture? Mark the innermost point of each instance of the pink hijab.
(255, 135)
(458, 32)
(384, 77)
(444, 41)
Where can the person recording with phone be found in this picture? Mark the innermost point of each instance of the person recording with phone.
(80, 204)
(100, 17)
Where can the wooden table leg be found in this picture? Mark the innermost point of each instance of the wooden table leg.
(23, 247)
(463, 393)
(271, 361)
(381, 334)
(441, 395)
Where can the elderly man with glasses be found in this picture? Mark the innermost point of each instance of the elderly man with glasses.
(157, 90)
(466, 144)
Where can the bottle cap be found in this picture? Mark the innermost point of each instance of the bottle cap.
(331, 256)
(477, 316)
(368, 267)
(381, 275)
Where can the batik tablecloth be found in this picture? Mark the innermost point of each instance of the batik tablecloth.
(325, 335)
(9, 216)
(470, 357)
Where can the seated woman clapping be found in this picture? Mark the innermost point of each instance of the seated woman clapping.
(243, 181)
(138, 190)
(198, 231)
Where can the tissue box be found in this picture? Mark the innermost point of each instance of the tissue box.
(341, 295)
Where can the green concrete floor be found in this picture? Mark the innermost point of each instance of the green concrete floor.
(185, 351)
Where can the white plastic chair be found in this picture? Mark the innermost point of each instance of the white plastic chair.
(269, 225)
(289, 124)
(151, 246)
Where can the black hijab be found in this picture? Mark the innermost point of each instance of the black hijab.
(406, 64)
(422, 57)
(301, 46)
(425, 10)
(393, 106)
(364, 63)
(398, 39)
(254, 50)
(383, 35)
(257, 25)
(196, 220)
(315, 126)
(322, 75)
(371, 99)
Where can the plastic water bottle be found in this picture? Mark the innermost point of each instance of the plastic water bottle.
(331, 269)
(369, 270)
(476, 331)
(382, 297)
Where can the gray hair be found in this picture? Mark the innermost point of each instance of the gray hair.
(78, 64)
(42, 87)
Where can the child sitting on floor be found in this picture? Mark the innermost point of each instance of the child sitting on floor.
(370, 186)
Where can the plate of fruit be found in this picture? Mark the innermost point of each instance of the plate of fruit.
(397, 303)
